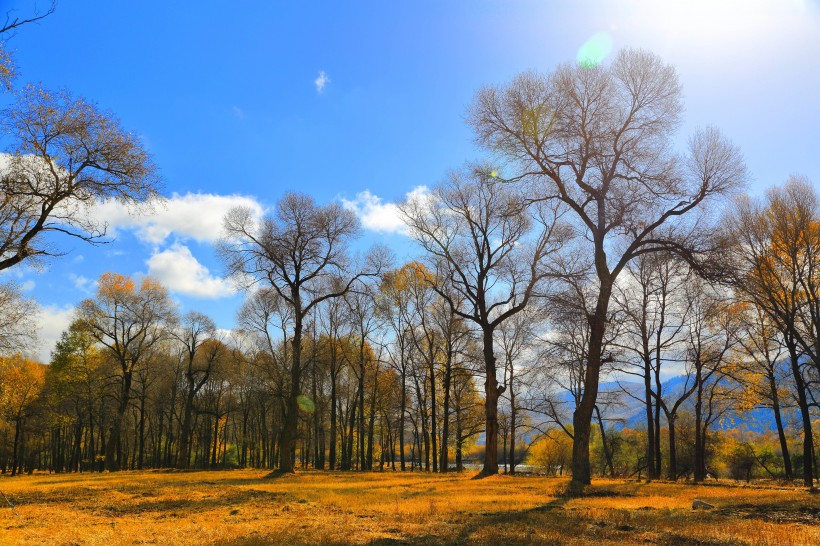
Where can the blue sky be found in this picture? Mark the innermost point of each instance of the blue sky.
(230, 100)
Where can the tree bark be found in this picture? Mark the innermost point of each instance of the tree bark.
(491, 393)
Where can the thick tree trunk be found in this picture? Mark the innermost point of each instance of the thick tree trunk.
(491, 393)
(290, 428)
(15, 449)
(802, 403)
(402, 417)
(184, 458)
(582, 417)
(445, 425)
(361, 405)
(650, 421)
(332, 447)
(781, 433)
(433, 416)
(371, 426)
(112, 447)
(513, 414)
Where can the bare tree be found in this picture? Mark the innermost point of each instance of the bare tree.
(301, 253)
(200, 350)
(67, 155)
(492, 252)
(598, 139)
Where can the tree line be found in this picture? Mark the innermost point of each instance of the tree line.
(585, 247)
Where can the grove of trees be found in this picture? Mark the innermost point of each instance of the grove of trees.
(584, 269)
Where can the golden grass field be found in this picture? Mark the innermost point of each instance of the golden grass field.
(245, 507)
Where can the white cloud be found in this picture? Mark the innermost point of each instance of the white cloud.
(82, 284)
(28, 286)
(378, 216)
(321, 81)
(196, 216)
(238, 112)
(178, 269)
(53, 321)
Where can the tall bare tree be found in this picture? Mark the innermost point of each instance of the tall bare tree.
(301, 252)
(598, 139)
(491, 254)
(200, 351)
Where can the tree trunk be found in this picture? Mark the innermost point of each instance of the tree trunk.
(361, 405)
(491, 393)
(445, 425)
(14, 457)
(700, 456)
(513, 414)
(650, 421)
(141, 439)
(290, 428)
(582, 417)
(402, 416)
(332, 447)
(112, 447)
(802, 403)
(781, 433)
(673, 450)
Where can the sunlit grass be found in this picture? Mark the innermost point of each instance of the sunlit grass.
(245, 507)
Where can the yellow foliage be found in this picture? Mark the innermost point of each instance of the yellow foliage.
(22, 381)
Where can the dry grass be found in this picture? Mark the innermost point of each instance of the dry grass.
(246, 508)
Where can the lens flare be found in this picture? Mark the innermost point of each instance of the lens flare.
(305, 404)
(595, 50)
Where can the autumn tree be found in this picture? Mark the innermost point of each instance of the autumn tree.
(301, 252)
(598, 139)
(129, 320)
(23, 380)
(76, 381)
(760, 369)
(396, 304)
(771, 263)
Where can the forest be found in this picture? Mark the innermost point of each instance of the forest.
(585, 269)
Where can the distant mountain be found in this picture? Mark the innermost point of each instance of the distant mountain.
(628, 411)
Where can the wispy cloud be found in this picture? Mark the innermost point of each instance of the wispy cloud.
(321, 81)
(83, 284)
(238, 113)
